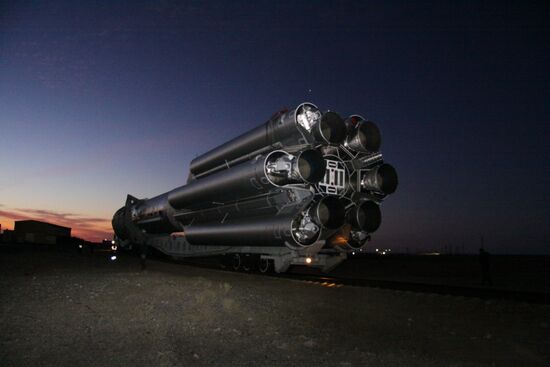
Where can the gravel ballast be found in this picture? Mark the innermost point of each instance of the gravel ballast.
(76, 310)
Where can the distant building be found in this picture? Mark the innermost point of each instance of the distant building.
(8, 236)
(34, 231)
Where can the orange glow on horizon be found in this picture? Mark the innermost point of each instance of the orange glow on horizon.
(88, 228)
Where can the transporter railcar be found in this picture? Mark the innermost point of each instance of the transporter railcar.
(303, 188)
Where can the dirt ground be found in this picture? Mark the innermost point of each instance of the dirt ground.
(66, 309)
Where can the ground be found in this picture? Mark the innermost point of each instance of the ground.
(66, 309)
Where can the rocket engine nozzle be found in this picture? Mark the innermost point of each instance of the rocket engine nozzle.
(365, 217)
(363, 135)
(330, 129)
(306, 166)
(329, 212)
(382, 179)
(310, 165)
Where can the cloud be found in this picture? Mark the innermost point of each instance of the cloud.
(87, 227)
(13, 215)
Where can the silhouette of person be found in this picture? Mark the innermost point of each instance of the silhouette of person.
(485, 263)
(143, 255)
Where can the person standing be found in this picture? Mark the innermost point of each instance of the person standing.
(485, 263)
(144, 249)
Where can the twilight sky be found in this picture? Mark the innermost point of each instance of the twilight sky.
(102, 99)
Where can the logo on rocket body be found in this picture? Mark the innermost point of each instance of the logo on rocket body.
(336, 177)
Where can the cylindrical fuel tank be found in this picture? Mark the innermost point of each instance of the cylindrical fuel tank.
(302, 125)
(277, 201)
(263, 231)
(250, 178)
(295, 229)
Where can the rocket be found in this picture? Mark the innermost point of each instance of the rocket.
(303, 188)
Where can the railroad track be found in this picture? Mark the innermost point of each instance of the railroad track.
(452, 290)
(486, 293)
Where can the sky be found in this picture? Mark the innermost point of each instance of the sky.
(100, 99)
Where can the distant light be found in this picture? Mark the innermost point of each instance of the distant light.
(112, 242)
(113, 257)
(113, 248)
(376, 250)
(383, 252)
(308, 260)
(353, 253)
(79, 246)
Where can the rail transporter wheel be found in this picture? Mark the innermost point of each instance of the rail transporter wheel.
(247, 262)
(264, 265)
(236, 262)
(250, 262)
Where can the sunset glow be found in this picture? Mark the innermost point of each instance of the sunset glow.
(89, 228)
(102, 100)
